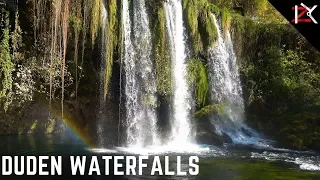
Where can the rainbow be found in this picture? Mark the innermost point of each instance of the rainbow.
(74, 123)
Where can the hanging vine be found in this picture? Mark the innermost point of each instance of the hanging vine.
(6, 65)
(86, 7)
(65, 25)
(55, 45)
(75, 21)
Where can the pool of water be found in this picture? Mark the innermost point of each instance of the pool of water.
(231, 162)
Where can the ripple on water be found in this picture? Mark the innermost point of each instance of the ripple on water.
(305, 161)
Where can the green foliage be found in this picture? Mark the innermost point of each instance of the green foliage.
(299, 129)
(75, 22)
(16, 85)
(226, 20)
(229, 4)
(283, 80)
(248, 8)
(6, 65)
(16, 40)
(271, 15)
(281, 77)
(237, 24)
(197, 75)
(255, 7)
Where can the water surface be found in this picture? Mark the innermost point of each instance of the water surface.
(230, 162)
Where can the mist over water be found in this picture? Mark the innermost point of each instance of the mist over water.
(140, 83)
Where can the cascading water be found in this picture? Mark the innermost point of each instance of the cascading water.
(140, 83)
(226, 91)
(181, 126)
(102, 108)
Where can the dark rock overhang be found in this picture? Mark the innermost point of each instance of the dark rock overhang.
(9, 4)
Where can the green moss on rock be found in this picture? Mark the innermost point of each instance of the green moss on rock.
(163, 60)
(226, 20)
(213, 9)
(111, 42)
(191, 11)
(200, 24)
(197, 75)
(208, 29)
(209, 110)
(95, 20)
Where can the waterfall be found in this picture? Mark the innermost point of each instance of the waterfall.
(101, 129)
(181, 133)
(226, 90)
(140, 82)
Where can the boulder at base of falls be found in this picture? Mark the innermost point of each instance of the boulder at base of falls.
(212, 138)
(206, 134)
(226, 138)
(205, 128)
(209, 139)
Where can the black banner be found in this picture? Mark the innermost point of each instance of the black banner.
(303, 15)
